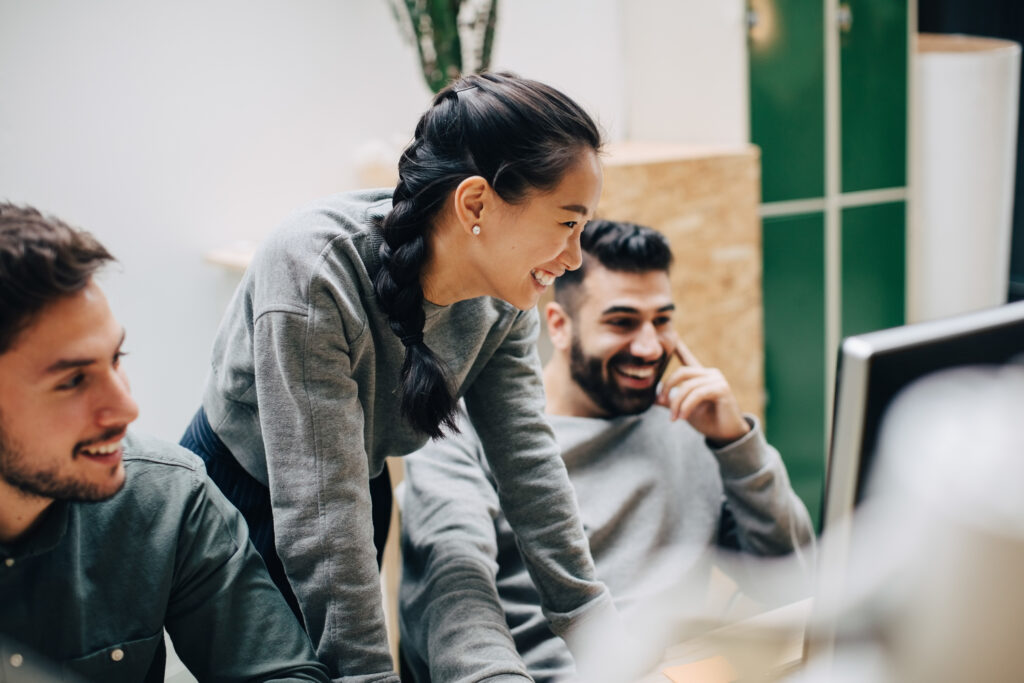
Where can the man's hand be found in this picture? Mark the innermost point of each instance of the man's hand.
(702, 397)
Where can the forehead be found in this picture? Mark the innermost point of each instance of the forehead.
(579, 189)
(646, 291)
(74, 327)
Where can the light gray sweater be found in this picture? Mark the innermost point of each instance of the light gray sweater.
(651, 494)
(304, 391)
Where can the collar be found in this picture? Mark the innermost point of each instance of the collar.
(44, 537)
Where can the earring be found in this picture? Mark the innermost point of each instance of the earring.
(476, 229)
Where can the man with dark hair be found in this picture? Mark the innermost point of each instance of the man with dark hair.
(107, 538)
(663, 472)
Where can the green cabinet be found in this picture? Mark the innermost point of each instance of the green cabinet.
(787, 93)
(873, 95)
(794, 364)
(828, 107)
(873, 267)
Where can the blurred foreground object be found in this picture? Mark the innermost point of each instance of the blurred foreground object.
(932, 591)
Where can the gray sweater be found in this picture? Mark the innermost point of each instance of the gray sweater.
(651, 495)
(304, 392)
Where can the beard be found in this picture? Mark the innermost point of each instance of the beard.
(33, 482)
(595, 378)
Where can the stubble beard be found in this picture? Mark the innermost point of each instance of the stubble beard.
(17, 471)
(589, 373)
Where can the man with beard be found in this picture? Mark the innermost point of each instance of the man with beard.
(665, 467)
(107, 537)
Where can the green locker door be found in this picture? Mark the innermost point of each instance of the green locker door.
(873, 93)
(787, 98)
(794, 327)
(873, 263)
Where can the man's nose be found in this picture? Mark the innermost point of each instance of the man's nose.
(118, 406)
(646, 344)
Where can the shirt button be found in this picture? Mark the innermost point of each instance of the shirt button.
(9, 562)
(117, 654)
(17, 660)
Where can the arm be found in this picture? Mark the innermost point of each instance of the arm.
(449, 556)
(506, 406)
(312, 425)
(769, 517)
(762, 514)
(226, 618)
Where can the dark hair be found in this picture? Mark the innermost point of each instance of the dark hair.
(618, 246)
(42, 260)
(519, 135)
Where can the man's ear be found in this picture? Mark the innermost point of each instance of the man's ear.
(469, 200)
(559, 326)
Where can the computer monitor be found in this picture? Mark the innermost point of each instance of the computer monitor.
(874, 367)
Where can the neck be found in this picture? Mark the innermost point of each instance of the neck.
(19, 512)
(563, 395)
(450, 274)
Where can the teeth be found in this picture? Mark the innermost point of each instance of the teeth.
(543, 277)
(102, 450)
(638, 373)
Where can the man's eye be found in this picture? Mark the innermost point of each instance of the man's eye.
(570, 224)
(620, 322)
(72, 383)
(660, 322)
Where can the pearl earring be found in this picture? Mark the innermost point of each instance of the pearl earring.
(476, 229)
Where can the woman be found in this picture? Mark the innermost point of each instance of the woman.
(360, 323)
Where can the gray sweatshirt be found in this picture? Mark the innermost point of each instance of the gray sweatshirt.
(304, 392)
(651, 495)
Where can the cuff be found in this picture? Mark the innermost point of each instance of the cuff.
(745, 455)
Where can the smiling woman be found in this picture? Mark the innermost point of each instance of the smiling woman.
(362, 321)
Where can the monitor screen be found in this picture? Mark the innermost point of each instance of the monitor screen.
(874, 367)
(872, 370)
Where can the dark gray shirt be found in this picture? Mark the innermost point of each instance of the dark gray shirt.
(93, 586)
(304, 390)
(651, 495)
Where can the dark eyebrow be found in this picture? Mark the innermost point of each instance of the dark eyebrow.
(576, 208)
(632, 311)
(70, 363)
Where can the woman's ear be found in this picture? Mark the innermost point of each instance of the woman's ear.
(559, 326)
(469, 200)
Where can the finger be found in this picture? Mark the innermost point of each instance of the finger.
(685, 355)
(683, 391)
(705, 394)
(680, 375)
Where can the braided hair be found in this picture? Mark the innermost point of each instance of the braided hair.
(520, 136)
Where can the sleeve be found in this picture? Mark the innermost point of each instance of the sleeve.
(449, 557)
(318, 475)
(763, 516)
(506, 406)
(226, 618)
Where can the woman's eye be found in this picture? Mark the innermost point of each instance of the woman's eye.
(75, 381)
(570, 224)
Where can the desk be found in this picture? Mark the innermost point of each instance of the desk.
(753, 648)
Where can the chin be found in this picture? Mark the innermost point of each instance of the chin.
(522, 301)
(107, 488)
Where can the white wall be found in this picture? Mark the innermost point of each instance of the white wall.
(169, 129)
(687, 71)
